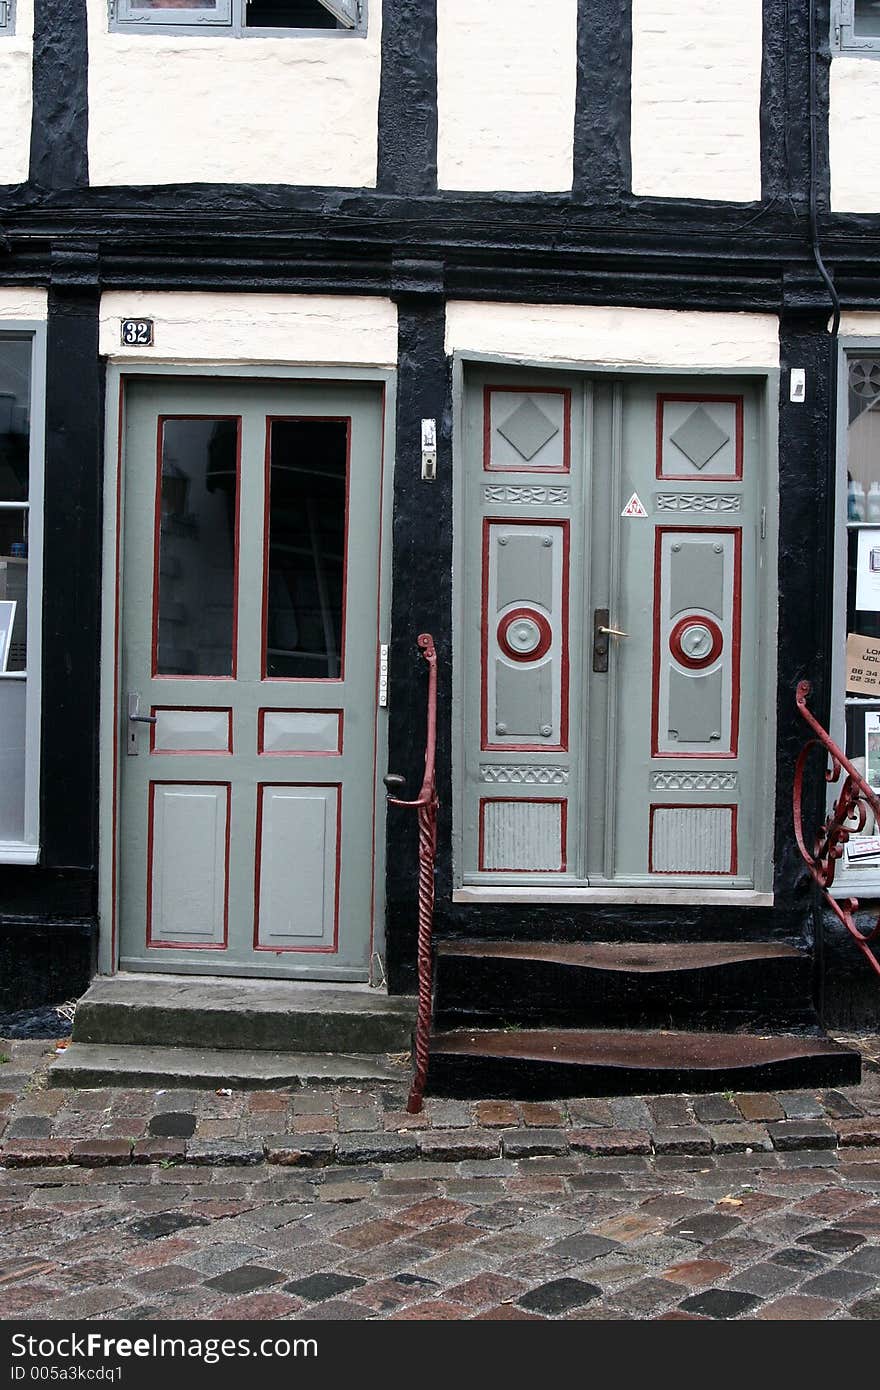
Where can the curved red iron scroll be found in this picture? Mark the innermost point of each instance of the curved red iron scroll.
(848, 816)
(426, 803)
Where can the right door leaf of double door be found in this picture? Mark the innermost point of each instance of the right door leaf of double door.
(609, 630)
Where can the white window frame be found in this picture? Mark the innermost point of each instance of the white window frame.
(7, 17)
(27, 850)
(844, 39)
(228, 21)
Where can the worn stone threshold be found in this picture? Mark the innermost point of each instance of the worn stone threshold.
(104, 1064)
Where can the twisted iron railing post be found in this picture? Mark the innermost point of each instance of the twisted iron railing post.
(426, 804)
(855, 799)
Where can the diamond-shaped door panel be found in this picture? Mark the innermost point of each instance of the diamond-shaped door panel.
(527, 431)
(699, 438)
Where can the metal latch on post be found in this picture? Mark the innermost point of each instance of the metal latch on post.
(429, 451)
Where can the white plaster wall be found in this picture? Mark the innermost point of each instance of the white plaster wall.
(854, 324)
(16, 95)
(696, 94)
(506, 78)
(274, 328)
(203, 109)
(625, 337)
(25, 303)
(854, 129)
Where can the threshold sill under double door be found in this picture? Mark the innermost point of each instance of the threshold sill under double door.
(705, 894)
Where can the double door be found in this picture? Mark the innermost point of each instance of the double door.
(612, 659)
(247, 698)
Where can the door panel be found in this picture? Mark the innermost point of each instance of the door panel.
(247, 813)
(610, 653)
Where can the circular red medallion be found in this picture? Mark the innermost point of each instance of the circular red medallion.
(696, 642)
(524, 635)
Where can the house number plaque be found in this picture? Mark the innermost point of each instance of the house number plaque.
(137, 332)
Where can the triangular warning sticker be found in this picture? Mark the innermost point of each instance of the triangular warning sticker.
(634, 507)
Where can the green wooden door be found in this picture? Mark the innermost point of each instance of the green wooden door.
(248, 696)
(627, 757)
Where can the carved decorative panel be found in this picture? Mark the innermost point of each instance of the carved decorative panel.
(695, 781)
(521, 774)
(699, 437)
(692, 840)
(523, 836)
(695, 698)
(535, 495)
(527, 431)
(697, 502)
(524, 675)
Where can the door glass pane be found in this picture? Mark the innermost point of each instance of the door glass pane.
(15, 390)
(195, 623)
(305, 579)
(867, 19)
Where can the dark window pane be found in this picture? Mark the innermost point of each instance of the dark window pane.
(197, 548)
(13, 589)
(15, 391)
(306, 544)
(288, 14)
(867, 19)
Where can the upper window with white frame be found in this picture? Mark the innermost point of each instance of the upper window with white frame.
(239, 18)
(7, 17)
(21, 492)
(855, 27)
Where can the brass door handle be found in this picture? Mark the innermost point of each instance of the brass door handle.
(612, 631)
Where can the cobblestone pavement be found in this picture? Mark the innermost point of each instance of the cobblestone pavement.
(324, 1203)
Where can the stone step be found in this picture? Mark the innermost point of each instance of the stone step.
(244, 1015)
(721, 984)
(543, 1063)
(85, 1065)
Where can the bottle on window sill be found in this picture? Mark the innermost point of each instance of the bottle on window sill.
(855, 501)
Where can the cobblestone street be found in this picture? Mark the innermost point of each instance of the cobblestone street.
(334, 1204)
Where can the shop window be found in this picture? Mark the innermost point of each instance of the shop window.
(240, 17)
(855, 26)
(20, 598)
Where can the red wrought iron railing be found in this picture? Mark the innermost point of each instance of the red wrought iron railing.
(848, 816)
(426, 803)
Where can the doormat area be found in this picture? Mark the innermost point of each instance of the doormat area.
(48, 1021)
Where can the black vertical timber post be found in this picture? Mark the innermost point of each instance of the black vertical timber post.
(806, 492)
(422, 597)
(602, 157)
(59, 132)
(407, 158)
(72, 568)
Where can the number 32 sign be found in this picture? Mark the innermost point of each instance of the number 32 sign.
(137, 332)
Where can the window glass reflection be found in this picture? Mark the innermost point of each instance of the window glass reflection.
(197, 525)
(15, 390)
(306, 549)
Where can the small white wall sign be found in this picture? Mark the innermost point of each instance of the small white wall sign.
(634, 507)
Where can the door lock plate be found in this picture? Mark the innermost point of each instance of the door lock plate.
(601, 636)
